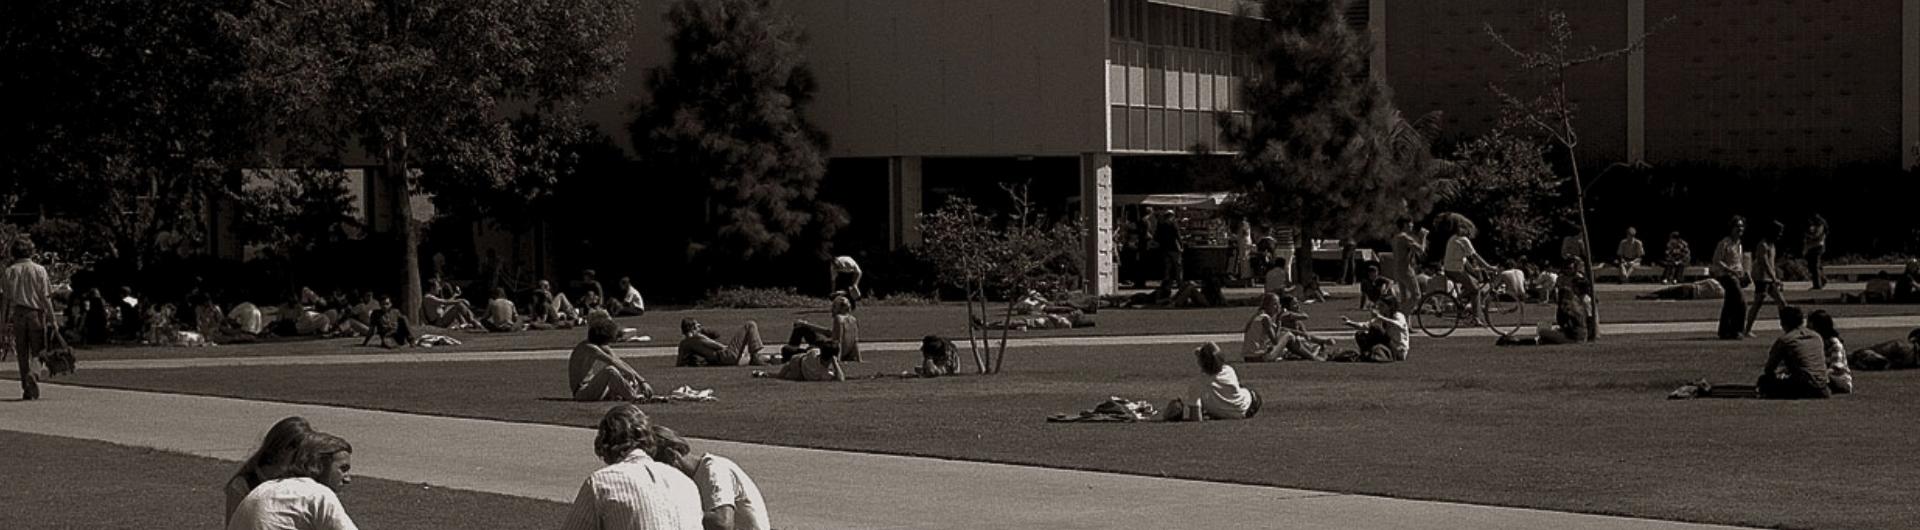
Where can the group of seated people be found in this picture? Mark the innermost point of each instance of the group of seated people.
(1278, 332)
(813, 352)
(1886, 288)
(652, 480)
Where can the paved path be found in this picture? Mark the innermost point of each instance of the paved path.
(805, 488)
(430, 355)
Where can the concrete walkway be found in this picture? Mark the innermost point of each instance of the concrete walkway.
(430, 355)
(805, 488)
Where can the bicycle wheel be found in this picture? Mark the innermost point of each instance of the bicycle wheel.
(1506, 311)
(1438, 314)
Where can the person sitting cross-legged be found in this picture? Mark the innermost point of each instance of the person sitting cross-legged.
(501, 315)
(1219, 396)
(702, 347)
(842, 338)
(1797, 363)
(1276, 332)
(630, 303)
(594, 373)
(1569, 323)
(730, 498)
(1382, 339)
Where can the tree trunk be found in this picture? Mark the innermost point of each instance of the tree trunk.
(400, 206)
(1005, 328)
(1586, 244)
(975, 340)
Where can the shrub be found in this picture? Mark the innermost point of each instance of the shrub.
(758, 298)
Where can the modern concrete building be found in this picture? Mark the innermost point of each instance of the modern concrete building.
(925, 98)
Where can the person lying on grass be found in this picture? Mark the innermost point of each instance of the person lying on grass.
(815, 364)
(269, 461)
(594, 373)
(842, 338)
(700, 346)
(1706, 289)
(303, 495)
(938, 357)
(1219, 396)
(729, 498)
(1890, 355)
(1072, 319)
(1268, 339)
(1797, 362)
(633, 492)
(1382, 339)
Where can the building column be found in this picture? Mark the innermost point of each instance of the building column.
(1636, 83)
(903, 193)
(1377, 30)
(1910, 82)
(1096, 215)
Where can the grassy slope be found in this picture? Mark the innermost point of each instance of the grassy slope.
(55, 482)
(1580, 428)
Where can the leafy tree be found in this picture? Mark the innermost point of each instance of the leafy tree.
(423, 84)
(1314, 146)
(288, 215)
(1009, 255)
(122, 119)
(1553, 113)
(727, 113)
(1504, 181)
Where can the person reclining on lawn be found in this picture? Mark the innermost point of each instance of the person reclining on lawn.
(1706, 289)
(702, 347)
(1797, 363)
(842, 338)
(1219, 396)
(1268, 339)
(1073, 318)
(1890, 355)
(594, 373)
(812, 364)
(293, 321)
(1382, 339)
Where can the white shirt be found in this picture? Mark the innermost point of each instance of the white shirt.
(1222, 396)
(723, 483)
(291, 504)
(845, 264)
(248, 316)
(636, 494)
(1395, 326)
(633, 299)
(1458, 249)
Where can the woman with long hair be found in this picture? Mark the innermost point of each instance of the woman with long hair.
(302, 495)
(1839, 376)
(269, 460)
(1219, 396)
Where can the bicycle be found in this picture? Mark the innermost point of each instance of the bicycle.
(1496, 307)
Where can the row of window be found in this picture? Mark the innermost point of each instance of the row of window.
(1156, 24)
(1139, 129)
(1152, 87)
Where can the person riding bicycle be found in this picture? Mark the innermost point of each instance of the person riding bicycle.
(1461, 262)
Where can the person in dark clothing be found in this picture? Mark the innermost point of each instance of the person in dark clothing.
(1816, 249)
(1729, 268)
(1172, 252)
(1797, 364)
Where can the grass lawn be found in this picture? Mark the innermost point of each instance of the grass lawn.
(1581, 428)
(55, 482)
(909, 323)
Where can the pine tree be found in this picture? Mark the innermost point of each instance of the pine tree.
(727, 114)
(1315, 149)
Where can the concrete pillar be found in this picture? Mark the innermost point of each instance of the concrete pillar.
(1096, 215)
(1910, 82)
(1636, 83)
(903, 194)
(1377, 30)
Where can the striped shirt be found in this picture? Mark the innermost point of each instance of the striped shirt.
(25, 284)
(636, 494)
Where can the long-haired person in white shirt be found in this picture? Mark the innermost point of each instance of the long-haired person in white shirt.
(302, 496)
(1219, 397)
(276, 452)
(731, 500)
(633, 492)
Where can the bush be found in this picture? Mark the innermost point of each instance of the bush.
(758, 298)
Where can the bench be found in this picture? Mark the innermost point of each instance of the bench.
(1861, 272)
(1608, 273)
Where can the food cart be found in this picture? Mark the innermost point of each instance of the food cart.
(1203, 230)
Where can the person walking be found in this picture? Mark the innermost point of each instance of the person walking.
(1409, 249)
(1728, 269)
(1816, 249)
(27, 300)
(1766, 273)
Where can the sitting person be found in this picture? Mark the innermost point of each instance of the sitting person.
(303, 493)
(843, 337)
(1879, 291)
(1382, 339)
(1372, 285)
(501, 315)
(938, 357)
(1279, 278)
(1707, 289)
(702, 347)
(814, 364)
(1797, 363)
(245, 319)
(271, 460)
(1839, 377)
(1906, 289)
(1540, 285)
(1219, 396)
(1569, 323)
(630, 302)
(731, 500)
(1435, 282)
(1267, 339)
(633, 492)
(1678, 256)
(1889, 355)
(1294, 320)
(357, 320)
(594, 373)
(1512, 281)
(560, 311)
(442, 307)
